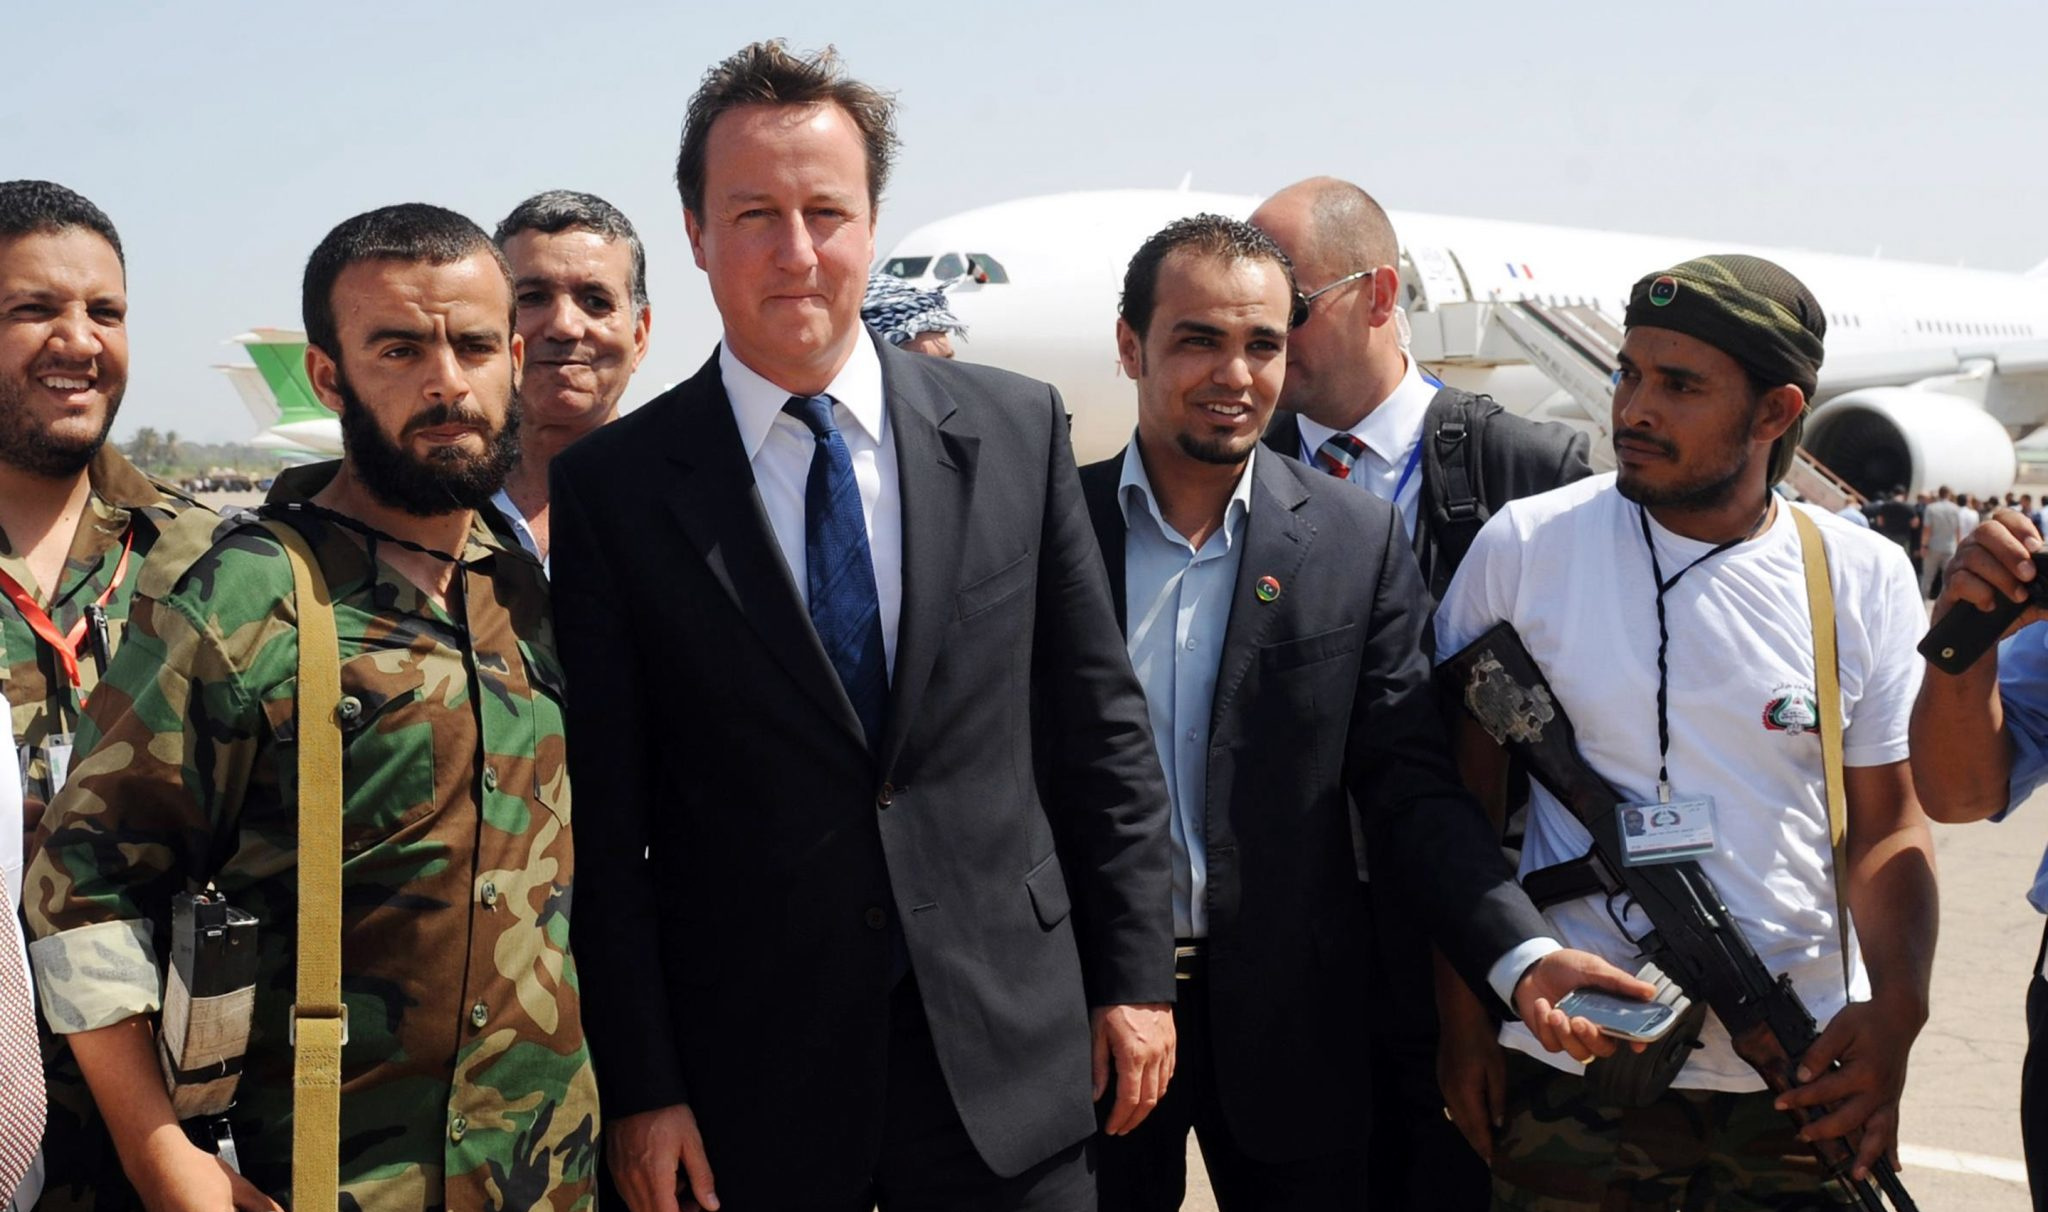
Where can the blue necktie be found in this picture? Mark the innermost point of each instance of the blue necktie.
(840, 570)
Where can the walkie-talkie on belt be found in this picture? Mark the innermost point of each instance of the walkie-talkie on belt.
(209, 997)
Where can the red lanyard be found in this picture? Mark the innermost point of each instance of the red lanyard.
(64, 644)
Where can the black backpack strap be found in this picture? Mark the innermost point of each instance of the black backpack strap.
(1452, 485)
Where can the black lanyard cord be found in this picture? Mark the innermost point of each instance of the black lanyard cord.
(1664, 635)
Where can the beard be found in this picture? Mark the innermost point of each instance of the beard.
(448, 480)
(32, 448)
(1710, 487)
(1219, 452)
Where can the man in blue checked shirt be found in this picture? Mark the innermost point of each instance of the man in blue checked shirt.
(1980, 748)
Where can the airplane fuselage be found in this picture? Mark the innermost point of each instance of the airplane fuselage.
(1055, 266)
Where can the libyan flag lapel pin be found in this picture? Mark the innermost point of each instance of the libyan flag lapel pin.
(1267, 589)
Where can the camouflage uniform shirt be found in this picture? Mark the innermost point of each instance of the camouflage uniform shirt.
(466, 1082)
(42, 699)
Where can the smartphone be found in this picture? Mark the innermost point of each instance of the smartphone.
(1621, 1017)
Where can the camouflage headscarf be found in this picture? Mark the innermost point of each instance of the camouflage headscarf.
(1752, 310)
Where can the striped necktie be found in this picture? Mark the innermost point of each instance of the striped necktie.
(1338, 455)
(21, 1062)
(840, 570)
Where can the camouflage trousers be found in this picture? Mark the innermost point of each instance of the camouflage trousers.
(1691, 1150)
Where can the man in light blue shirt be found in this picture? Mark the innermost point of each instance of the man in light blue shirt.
(579, 280)
(1275, 619)
(1179, 598)
(1980, 750)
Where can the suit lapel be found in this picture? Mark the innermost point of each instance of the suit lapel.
(1276, 541)
(1099, 490)
(718, 506)
(935, 462)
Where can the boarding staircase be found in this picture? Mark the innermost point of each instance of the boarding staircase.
(1575, 346)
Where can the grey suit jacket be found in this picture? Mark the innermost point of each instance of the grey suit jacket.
(742, 851)
(1324, 706)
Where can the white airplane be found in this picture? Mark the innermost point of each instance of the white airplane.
(1931, 372)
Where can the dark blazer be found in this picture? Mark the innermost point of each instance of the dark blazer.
(1324, 706)
(743, 855)
(1517, 458)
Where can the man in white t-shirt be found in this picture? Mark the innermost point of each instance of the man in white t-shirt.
(1721, 356)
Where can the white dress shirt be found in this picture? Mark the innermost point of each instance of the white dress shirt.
(1392, 434)
(1178, 611)
(780, 446)
(516, 519)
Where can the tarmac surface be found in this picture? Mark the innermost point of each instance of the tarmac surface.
(1961, 1129)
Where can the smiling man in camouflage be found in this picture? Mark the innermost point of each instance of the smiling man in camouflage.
(466, 1083)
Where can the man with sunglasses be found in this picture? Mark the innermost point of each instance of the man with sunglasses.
(1356, 406)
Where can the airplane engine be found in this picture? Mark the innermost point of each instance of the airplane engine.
(1883, 437)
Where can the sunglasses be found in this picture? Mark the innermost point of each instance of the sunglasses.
(1303, 301)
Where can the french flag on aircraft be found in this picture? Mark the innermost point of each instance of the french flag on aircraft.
(1524, 273)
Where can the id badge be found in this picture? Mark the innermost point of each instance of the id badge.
(56, 750)
(1666, 831)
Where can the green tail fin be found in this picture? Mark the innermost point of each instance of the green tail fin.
(283, 366)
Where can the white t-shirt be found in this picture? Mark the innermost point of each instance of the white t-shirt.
(1570, 571)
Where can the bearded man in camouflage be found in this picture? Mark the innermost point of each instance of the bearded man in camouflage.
(466, 1082)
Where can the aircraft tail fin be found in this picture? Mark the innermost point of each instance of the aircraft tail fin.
(281, 359)
(255, 393)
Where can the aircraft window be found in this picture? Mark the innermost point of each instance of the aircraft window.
(906, 267)
(990, 269)
(949, 267)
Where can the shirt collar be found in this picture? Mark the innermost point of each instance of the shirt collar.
(756, 401)
(1390, 430)
(118, 482)
(1136, 486)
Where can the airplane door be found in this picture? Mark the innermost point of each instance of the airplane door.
(1431, 277)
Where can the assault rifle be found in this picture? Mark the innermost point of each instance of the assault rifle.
(1690, 933)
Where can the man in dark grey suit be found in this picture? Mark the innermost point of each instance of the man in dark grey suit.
(1275, 620)
(1357, 407)
(873, 867)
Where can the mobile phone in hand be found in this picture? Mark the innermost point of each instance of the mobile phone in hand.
(1621, 1017)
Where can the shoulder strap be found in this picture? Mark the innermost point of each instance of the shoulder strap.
(1454, 508)
(1827, 676)
(319, 1022)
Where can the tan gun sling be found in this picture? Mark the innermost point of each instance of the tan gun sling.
(319, 1021)
(1827, 676)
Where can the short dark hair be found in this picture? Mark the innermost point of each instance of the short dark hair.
(43, 207)
(411, 231)
(768, 73)
(1202, 235)
(558, 210)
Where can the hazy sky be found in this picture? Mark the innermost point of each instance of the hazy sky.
(225, 138)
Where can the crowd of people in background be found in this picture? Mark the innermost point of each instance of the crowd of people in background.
(1930, 525)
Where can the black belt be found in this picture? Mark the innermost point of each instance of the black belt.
(1190, 958)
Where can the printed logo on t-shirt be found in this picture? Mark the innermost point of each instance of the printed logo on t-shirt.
(1792, 710)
